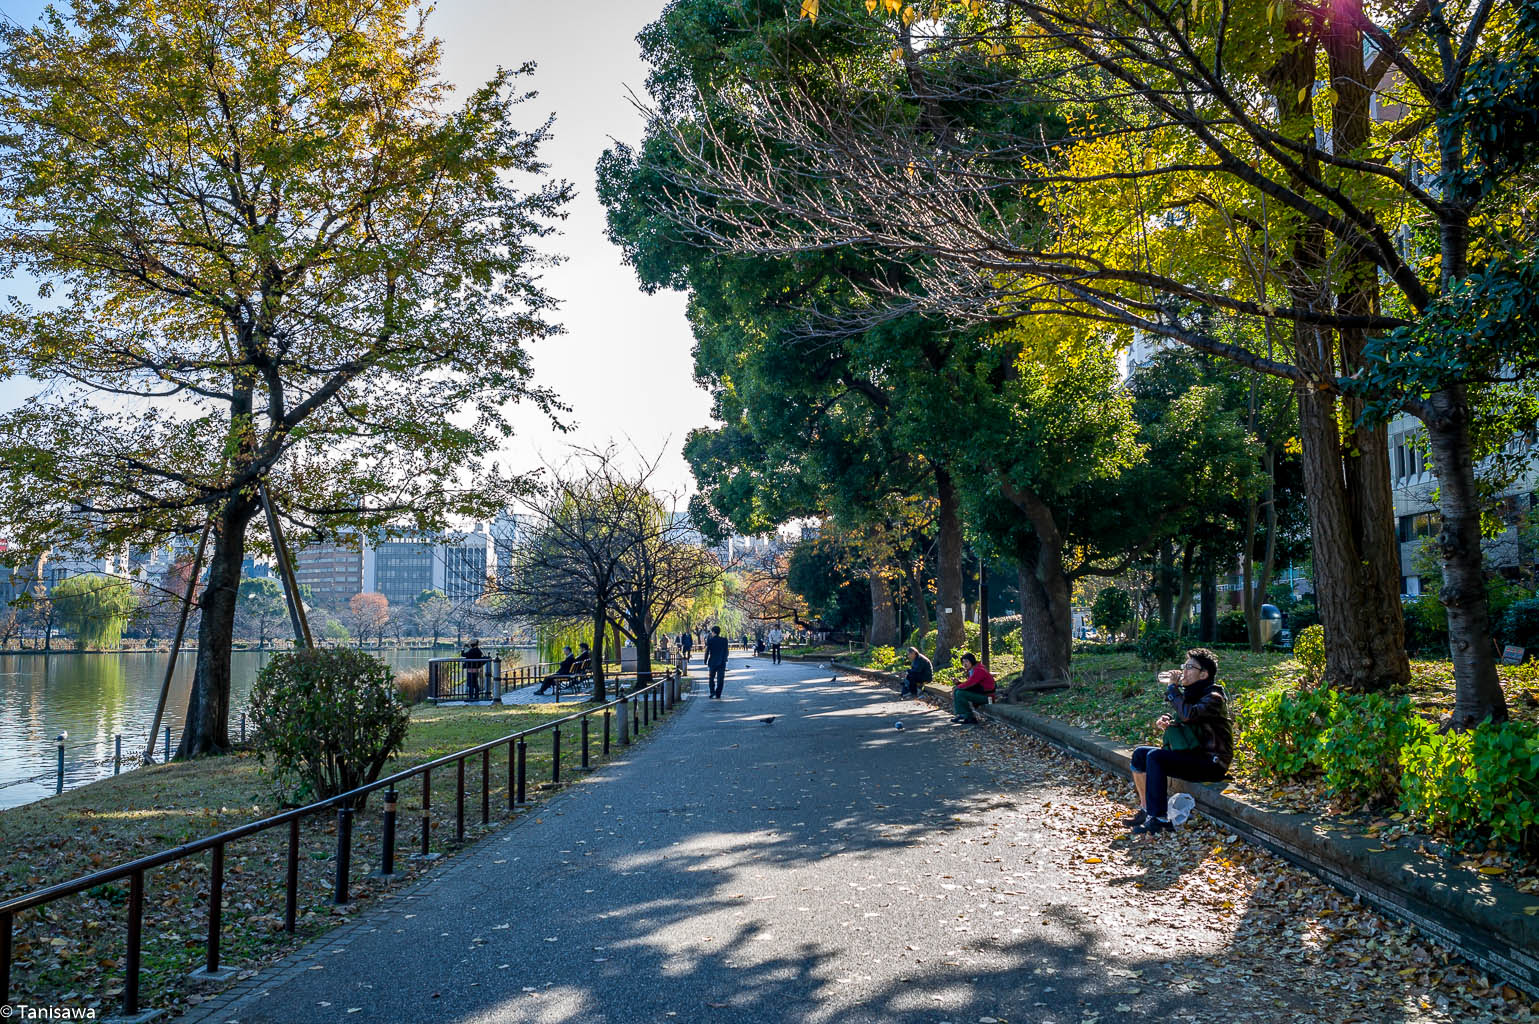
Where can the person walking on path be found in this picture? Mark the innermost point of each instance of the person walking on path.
(775, 638)
(1198, 740)
(971, 692)
(686, 644)
(716, 661)
(920, 671)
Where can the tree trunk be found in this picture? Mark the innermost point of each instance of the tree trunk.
(1477, 690)
(1165, 583)
(948, 599)
(600, 620)
(1183, 612)
(207, 730)
(884, 618)
(1207, 623)
(1047, 619)
(920, 597)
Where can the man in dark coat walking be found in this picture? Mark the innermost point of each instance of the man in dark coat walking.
(716, 661)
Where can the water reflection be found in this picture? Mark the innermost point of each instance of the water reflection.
(96, 696)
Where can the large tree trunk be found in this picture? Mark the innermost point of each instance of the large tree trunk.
(207, 730)
(1047, 620)
(1478, 692)
(948, 599)
(884, 615)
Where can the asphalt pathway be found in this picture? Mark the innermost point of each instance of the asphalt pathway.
(826, 867)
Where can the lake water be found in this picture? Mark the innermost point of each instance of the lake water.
(96, 696)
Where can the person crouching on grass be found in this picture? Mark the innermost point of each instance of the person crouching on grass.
(1198, 740)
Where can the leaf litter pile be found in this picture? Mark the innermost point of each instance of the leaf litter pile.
(1285, 940)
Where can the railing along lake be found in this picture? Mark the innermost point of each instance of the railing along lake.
(645, 703)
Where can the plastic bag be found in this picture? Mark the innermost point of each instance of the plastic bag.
(1181, 806)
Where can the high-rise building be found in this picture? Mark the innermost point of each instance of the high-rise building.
(333, 570)
(405, 567)
(466, 559)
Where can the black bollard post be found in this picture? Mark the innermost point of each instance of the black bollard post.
(625, 723)
(243, 727)
(387, 842)
(59, 739)
(522, 763)
(344, 853)
(607, 715)
(459, 802)
(117, 757)
(427, 808)
(555, 754)
(167, 758)
(584, 742)
(512, 775)
(486, 786)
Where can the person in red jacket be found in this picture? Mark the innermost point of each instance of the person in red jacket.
(976, 689)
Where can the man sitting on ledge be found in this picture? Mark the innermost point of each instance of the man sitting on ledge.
(971, 692)
(1198, 740)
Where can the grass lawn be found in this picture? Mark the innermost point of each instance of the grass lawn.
(71, 951)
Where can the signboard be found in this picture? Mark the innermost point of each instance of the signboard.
(1512, 655)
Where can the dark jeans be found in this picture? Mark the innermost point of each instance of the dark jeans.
(1161, 765)
(775, 654)
(717, 678)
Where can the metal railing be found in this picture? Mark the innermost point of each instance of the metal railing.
(631, 712)
(449, 679)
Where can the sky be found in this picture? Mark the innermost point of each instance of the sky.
(623, 363)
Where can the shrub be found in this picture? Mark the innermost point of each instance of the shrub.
(883, 659)
(1519, 624)
(1476, 786)
(328, 719)
(1158, 645)
(1303, 615)
(1360, 753)
(1426, 625)
(1231, 628)
(1280, 729)
(970, 641)
(1309, 649)
(1112, 610)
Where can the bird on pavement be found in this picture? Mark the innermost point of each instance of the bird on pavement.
(770, 720)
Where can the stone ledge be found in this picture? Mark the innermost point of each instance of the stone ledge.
(1481, 919)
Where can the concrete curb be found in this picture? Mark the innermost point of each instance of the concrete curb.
(1479, 918)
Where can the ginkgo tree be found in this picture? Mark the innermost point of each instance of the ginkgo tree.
(273, 249)
(1329, 193)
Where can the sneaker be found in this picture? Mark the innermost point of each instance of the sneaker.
(1152, 827)
(959, 720)
(1137, 819)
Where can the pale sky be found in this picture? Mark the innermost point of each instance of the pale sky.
(624, 363)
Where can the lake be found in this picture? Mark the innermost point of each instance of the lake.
(95, 696)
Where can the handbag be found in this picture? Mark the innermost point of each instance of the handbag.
(1182, 737)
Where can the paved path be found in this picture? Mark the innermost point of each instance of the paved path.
(827, 867)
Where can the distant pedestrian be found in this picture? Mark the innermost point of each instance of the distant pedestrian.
(972, 692)
(686, 644)
(920, 671)
(562, 674)
(474, 660)
(776, 637)
(716, 661)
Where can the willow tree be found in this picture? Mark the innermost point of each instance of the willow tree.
(271, 250)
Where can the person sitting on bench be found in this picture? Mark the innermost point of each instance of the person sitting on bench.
(562, 674)
(1198, 740)
(582, 668)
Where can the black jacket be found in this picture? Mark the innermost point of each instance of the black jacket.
(716, 651)
(920, 671)
(1204, 707)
